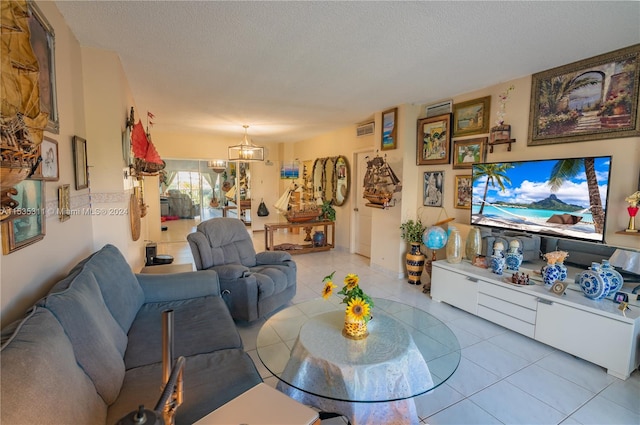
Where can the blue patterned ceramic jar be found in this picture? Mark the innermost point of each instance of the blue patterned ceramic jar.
(615, 278)
(550, 274)
(593, 282)
(514, 256)
(497, 259)
(562, 271)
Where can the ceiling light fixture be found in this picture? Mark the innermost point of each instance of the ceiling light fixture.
(246, 151)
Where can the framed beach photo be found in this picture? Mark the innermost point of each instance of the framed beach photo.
(48, 167)
(463, 186)
(591, 99)
(26, 224)
(471, 117)
(433, 188)
(80, 162)
(389, 129)
(42, 40)
(470, 151)
(433, 140)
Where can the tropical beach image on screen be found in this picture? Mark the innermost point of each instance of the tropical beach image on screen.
(559, 197)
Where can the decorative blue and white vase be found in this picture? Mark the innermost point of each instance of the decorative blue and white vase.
(593, 282)
(615, 278)
(497, 263)
(550, 274)
(514, 256)
(562, 270)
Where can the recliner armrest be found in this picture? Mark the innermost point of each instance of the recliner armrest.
(179, 286)
(231, 271)
(272, 257)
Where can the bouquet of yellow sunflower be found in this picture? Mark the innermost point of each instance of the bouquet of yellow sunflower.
(358, 303)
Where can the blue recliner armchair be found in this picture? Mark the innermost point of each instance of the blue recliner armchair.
(253, 285)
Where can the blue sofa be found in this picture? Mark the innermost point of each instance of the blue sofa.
(91, 351)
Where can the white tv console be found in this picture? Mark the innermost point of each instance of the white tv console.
(596, 331)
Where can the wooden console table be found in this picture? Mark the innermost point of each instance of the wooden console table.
(308, 227)
(244, 205)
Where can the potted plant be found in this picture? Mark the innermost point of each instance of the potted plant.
(327, 211)
(412, 232)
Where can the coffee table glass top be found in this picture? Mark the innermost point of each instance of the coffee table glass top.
(408, 351)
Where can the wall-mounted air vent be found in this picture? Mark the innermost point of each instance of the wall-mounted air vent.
(365, 129)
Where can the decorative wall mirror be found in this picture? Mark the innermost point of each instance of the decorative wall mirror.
(329, 179)
(341, 180)
(318, 179)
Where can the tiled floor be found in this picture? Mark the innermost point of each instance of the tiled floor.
(503, 377)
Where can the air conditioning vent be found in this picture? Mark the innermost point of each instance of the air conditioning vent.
(365, 129)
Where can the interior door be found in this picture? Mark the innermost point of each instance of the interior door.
(362, 222)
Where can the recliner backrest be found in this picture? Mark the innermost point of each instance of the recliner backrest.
(229, 241)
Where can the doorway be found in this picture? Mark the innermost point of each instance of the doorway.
(362, 213)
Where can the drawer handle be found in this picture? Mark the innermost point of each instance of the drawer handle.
(472, 279)
(544, 301)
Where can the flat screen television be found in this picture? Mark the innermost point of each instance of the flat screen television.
(564, 198)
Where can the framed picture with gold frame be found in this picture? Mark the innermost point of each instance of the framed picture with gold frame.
(80, 162)
(434, 140)
(471, 117)
(462, 197)
(26, 224)
(64, 202)
(389, 129)
(48, 169)
(470, 151)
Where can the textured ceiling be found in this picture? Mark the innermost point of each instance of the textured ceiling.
(292, 70)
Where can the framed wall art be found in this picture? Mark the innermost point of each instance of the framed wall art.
(467, 152)
(389, 129)
(471, 117)
(26, 224)
(64, 202)
(434, 140)
(80, 162)
(48, 167)
(42, 40)
(462, 197)
(591, 99)
(433, 188)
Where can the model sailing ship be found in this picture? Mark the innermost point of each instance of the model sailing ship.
(304, 209)
(380, 183)
(21, 119)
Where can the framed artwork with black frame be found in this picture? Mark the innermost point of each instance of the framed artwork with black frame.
(80, 162)
(42, 40)
(26, 224)
(389, 129)
(471, 117)
(434, 140)
(433, 188)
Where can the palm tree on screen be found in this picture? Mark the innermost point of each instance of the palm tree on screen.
(566, 169)
(496, 174)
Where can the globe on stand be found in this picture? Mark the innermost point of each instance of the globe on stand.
(434, 238)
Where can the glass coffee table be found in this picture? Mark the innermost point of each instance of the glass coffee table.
(408, 353)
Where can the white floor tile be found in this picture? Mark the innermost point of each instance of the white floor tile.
(602, 411)
(513, 406)
(439, 399)
(494, 359)
(586, 374)
(625, 393)
(464, 412)
(470, 378)
(557, 392)
(522, 346)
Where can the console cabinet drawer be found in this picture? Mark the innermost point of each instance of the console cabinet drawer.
(509, 322)
(455, 289)
(514, 297)
(507, 308)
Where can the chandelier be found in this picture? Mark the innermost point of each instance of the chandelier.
(246, 151)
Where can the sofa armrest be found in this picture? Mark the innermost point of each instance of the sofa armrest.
(231, 271)
(272, 257)
(179, 286)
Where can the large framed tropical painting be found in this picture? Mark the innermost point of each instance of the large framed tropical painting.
(592, 99)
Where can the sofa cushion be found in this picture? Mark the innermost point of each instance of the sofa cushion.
(41, 382)
(98, 341)
(120, 289)
(200, 325)
(210, 380)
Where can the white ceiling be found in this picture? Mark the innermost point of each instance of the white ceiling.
(292, 70)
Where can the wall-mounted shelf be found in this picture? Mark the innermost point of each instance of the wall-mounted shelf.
(622, 232)
(501, 142)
